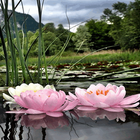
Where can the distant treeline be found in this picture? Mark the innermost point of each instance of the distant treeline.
(117, 26)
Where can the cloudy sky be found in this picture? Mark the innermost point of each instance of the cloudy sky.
(77, 10)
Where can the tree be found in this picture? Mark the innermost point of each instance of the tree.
(115, 16)
(33, 43)
(119, 10)
(51, 48)
(128, 38)
(29, 34)
(135, 18)
(99, 31)
(64, 36)
(49, 27)
(82, 39)
(125, 20)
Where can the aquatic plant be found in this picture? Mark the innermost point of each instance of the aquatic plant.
(110, 98)
(24, 87)
(47, 101)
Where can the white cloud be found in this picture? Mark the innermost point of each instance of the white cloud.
(77, 10)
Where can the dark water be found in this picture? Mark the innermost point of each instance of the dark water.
(73, 125)
(96, 126)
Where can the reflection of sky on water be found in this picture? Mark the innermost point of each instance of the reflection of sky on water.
(79, 129)
(102, 130)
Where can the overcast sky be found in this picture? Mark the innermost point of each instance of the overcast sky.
(77, 10)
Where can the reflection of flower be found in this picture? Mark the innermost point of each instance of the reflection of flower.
(42, 120)
(101, 114)
(110, 98)
(44, 101)
(22, 88)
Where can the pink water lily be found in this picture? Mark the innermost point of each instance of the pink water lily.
(22, 88)
(44, 101)
(110, 97)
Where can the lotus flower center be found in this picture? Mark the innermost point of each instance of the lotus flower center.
(35, 90)
(98, 92)
(89, 92)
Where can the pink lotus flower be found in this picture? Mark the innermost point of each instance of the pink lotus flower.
(44, 101)
(22, 88)
(110, 98)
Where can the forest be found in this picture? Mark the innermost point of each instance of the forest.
(118, 27)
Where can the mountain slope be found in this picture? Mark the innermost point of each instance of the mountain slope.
(25, 21)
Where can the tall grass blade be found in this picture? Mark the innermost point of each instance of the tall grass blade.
(14, 73)
(45, 63)
(40, 43)
(61, 52)
(21, 57)
(11, 12)
(26, 55)
(6, 58)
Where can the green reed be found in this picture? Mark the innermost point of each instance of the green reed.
(13, 53)
(15, 59)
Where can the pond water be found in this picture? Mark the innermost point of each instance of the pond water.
(68, 127)
(73, 125)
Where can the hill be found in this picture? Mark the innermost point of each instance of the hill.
(25, 21)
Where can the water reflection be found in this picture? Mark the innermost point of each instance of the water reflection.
(2, 112)
(73, 125)
(42, 121)
(102, 114)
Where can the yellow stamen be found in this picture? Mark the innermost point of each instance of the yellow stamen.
(98, 92)
(90, 92)
(106, 92)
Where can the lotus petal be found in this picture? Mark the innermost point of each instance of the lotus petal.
(8, 98)
(23, 88)
(110, 97)
(54, 114)
(33, 111)
(47, 101)
(130, 99)
(114, 109)
(86, 108)
(71, 105)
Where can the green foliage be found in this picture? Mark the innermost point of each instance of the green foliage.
(82, 39)
(53, 39)
(29, 34)
(49, 27)
(49, 37)
(63, 32)
(125, 20)
(34, 43)
(99, 31)
(113, 57)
